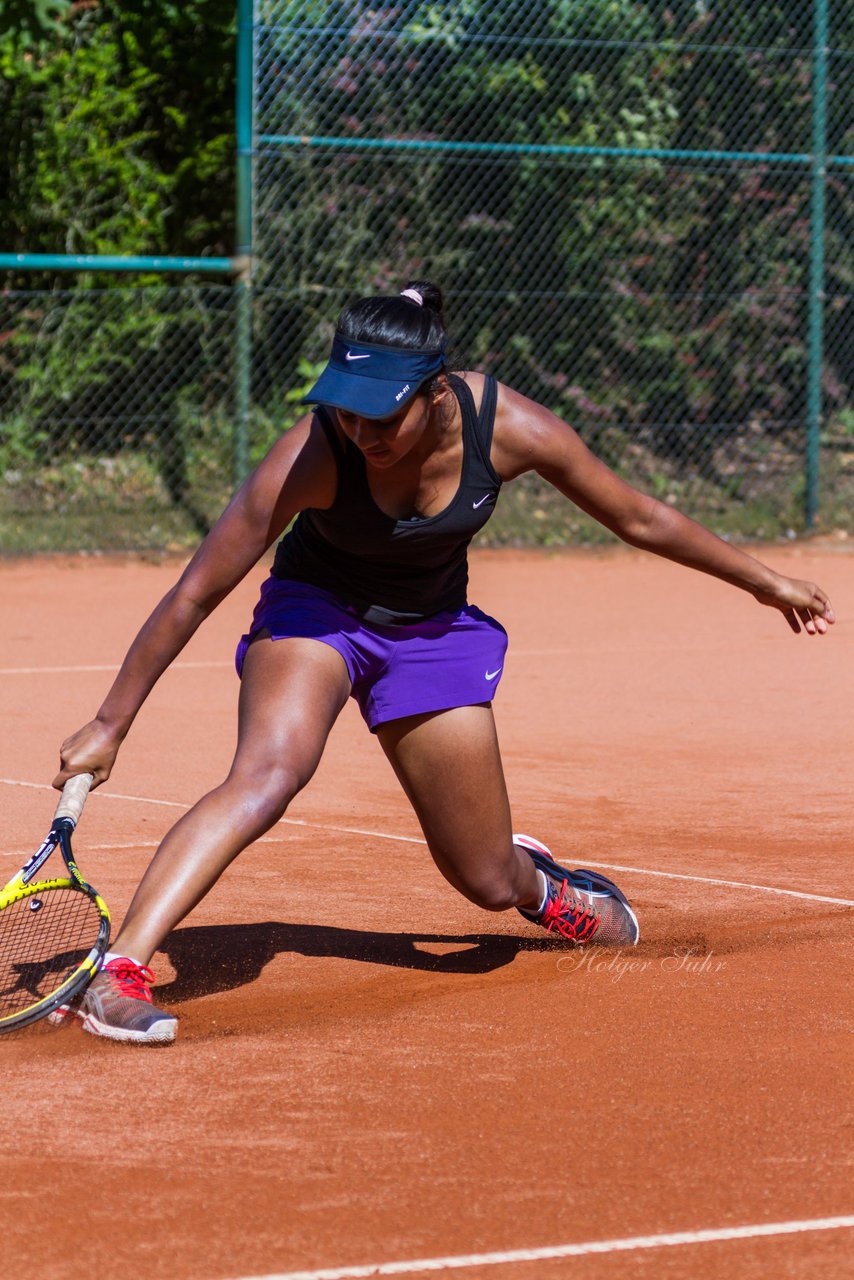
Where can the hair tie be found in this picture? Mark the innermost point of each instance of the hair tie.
(413, 295)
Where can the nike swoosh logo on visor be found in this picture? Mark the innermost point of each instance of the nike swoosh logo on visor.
(350, 356)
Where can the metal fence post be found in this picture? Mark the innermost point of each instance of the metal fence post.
(816, 275)
(244, 247)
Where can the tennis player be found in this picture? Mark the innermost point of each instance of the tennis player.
(400, 463)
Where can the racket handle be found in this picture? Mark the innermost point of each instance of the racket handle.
(73, 797)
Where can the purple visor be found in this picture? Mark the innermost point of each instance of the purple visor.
(373, 381)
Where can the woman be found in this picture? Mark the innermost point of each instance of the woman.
(398, 467)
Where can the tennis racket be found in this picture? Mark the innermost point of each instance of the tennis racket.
(53, 933)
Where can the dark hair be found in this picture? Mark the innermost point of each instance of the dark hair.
(397, 321)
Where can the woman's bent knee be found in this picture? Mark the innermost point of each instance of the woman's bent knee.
(265, 796)
(493, 894)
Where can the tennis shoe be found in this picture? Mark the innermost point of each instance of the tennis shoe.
(582, 906)
(117, 1004)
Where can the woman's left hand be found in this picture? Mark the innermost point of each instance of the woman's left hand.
(802, 604)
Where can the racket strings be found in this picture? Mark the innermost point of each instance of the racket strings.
(43, 939)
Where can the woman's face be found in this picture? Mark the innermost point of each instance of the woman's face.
(385, 441)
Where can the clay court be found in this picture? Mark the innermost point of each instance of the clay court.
(373, 1076)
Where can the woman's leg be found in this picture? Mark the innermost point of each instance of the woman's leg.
(450, 768)
(291, 693)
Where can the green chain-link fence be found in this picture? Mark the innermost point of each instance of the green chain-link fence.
(117, 416)
(641, 215)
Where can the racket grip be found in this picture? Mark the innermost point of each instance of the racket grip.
(73, 797)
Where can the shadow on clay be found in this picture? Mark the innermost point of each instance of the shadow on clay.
(213, 958)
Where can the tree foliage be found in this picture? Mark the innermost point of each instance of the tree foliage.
(118, 127)
(621, 290)
(26, 22)
(667, 298)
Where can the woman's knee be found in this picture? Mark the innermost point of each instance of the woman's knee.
(494, 895)
(491, 885)
(266, 791)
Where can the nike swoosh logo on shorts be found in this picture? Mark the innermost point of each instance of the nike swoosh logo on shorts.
(485, 498)
(350, 356)
(490, 675)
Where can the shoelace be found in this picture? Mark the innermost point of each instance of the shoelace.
(130, 979)
(570, 917)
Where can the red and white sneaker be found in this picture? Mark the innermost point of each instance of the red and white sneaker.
(582, 906)
(117, 1004)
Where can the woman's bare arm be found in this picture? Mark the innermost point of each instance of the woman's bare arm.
(530, 438)
(298, 472)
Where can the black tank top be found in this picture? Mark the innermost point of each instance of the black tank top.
(395, 571)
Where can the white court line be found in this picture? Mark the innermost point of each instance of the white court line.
(196, 666)
(205, 666)
(385, 835)
(730, 884)
(113, 845)
(202, 666)
(628, 1245)
(66, 671)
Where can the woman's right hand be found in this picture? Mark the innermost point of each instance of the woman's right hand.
(92, 749)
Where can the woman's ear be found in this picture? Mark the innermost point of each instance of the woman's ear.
(440, 390)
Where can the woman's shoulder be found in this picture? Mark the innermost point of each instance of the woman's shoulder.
(511, 401)
(527, 436)
(300, 469)
(474, 381)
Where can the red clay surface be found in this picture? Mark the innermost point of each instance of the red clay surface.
(369, 1069)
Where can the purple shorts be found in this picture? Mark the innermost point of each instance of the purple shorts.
(449, 660)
